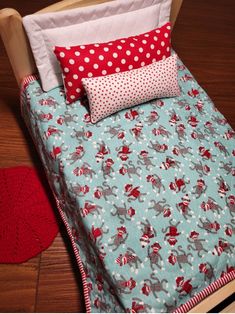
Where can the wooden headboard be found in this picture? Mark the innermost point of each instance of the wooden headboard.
(16, 42)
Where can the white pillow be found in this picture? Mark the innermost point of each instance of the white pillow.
(100, 23)
(112, 93)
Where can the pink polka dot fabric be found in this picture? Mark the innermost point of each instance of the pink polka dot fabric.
(111, 93)
(86, 61)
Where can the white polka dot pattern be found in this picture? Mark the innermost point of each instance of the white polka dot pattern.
(108, 58)
(111, 93)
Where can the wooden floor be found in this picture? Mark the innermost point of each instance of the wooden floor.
(204, 39)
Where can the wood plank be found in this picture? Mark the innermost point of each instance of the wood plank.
(229, 309)
(16, 146)
(18, 284)
(59, 279)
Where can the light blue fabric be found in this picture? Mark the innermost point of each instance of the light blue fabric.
(175, 231)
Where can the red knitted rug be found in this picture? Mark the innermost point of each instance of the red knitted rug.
(28, 224)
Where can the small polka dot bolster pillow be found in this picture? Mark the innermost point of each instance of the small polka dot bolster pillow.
(121, 55)
(111, 93)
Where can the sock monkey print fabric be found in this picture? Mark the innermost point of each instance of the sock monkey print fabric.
(147, 196)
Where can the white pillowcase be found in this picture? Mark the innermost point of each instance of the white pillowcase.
(111, 93)
(100, 23)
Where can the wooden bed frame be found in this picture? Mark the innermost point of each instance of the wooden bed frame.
(22, 62)
(15, 40)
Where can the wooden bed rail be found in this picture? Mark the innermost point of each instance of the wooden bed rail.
(214, 299)
(70, 4)
(16, 41)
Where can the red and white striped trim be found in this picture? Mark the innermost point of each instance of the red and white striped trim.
(78, 258)
(217, 284)
(25, 82)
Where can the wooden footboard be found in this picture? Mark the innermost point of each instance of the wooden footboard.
(214, 299)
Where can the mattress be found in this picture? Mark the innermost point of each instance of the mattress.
(147, 195)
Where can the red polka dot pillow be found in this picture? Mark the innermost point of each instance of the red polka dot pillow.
(111, 93)
(102, 59)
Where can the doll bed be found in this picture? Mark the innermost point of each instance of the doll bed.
(99, 217)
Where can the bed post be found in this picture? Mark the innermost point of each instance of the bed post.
(175, 8)
(16, 44)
